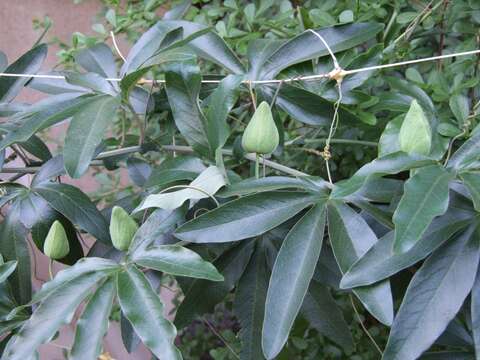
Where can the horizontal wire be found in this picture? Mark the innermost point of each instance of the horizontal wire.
(275, 81)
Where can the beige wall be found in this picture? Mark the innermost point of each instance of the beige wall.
(16, 37)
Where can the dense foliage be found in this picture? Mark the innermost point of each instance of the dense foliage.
(358, 235)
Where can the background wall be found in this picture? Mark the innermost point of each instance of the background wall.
(16, 37)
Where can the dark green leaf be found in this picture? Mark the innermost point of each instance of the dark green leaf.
(466, 154)
(307, 45)
(98, 59)
(351, 237)
(92, 81)
(178, 11)
(183, 87)
(475, 311)
(434, 297)
(220, 102)
(37, 148)
(386, 165)
(176, 260)
(323, 313)
(85, 133)
(202, 295)
(249, 305)
(210, 46)
(246, 217)
(425, 197)
(42, 115)
(28, 63)
(76, 206)
(380, 262)
(291, 275)
(269, 183)
(472, 182)
(143, 308)
(93, 324)
(6, 269)
(14, 247)
(138, 170)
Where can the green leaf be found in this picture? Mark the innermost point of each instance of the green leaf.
(220, 103)
(472, 182)
(379, 262)
(210, 46)
(156, 228)
(93, 324)
(6, 269)
(303, 105)
(175, 169)
(386, 165)
(434, 297)
(415, 133)
(246, 217)
(467, 153)
(389, 140)
(324, 315)
(204, 186)
(85, 133)
(76, 206)
(460, 106)
(42, 115)
(351, 237)
(92, 81)
(176, 260)
(183, 88)
(425, 197)
(143, 308)
(55, 311)
(270, 183)
(201, 295)
(291, 275)
(82, 267)
(307, 46)
(98, 59)
(177, 11)
(14, 247)
(249, 305)
(28, 63)
(474, 309)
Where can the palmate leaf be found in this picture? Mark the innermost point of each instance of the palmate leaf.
(249, 305)
(426, 196)
(291, 275)
(351, 237)
(143, 308)
(85, 133)
(434, 296)
(246, 217)
(93, 324)
(55, 311)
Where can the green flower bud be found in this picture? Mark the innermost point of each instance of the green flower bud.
(56, 243)
(261, 135)
(122, 228)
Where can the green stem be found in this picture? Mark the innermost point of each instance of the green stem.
(339, 141)
(257, 166)
(50, 270)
